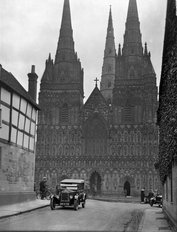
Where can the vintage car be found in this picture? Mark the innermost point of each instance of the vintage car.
(70, 193)
(156, 200)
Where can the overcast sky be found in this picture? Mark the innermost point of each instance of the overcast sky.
(30, 30)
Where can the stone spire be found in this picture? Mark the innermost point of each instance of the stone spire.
(132, 37)
(134, 69)
(65, 47)
(65, 73)
(108, 68)
(110, 30)
(132, 11)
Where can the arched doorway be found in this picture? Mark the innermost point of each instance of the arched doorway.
(127, 188)
(95, 183)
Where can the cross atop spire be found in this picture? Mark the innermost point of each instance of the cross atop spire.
(96, 80)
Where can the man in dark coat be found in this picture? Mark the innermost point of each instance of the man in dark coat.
(142, 195)
(43, 187)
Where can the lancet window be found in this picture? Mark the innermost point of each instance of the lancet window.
(64, 114)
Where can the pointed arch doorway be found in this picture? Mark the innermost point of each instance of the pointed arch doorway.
(95, 183)
(127, 188)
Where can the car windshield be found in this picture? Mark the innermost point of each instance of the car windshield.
(70, 186)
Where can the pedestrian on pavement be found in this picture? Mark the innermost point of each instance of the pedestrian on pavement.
(43, 187)
(142, 195)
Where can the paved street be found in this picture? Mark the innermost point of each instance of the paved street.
(98, 215)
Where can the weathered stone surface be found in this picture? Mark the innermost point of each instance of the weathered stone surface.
(111, 144)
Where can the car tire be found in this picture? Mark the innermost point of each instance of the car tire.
(76, 205)
(52, 204)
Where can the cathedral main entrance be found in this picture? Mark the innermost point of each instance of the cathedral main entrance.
(127, 188)
(95, 183)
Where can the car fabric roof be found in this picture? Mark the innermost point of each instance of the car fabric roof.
(74, 181)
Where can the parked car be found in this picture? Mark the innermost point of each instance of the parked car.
(146, 199)
(156, 200)
(70, 193)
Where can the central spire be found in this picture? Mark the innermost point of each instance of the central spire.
(132, 10)
(132, 37)
(65, 42)
(66, 18)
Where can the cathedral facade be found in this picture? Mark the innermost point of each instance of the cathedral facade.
(111, 140)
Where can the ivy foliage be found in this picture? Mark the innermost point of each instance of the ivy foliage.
(167, 111)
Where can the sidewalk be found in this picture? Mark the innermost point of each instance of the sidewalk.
(19, 208)
(153, 219)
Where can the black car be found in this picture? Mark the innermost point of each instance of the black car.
(156, 200)
(70, 193)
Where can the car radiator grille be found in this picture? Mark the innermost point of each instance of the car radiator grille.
(65, 197)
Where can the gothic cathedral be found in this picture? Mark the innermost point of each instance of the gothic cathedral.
(111, 140)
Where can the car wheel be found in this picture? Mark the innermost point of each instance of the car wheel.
(76, 206)
(52, 204)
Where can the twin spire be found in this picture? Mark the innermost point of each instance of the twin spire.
(110, 24)
(66, 33)
(110, 47)
(132, 41)
(132, 37)
(108, 68)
